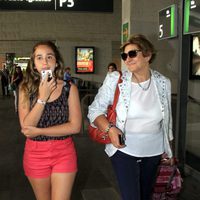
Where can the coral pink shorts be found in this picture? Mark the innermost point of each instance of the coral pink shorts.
(41, 158)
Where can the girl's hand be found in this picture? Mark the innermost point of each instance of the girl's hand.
(30, 131)
(46, 88)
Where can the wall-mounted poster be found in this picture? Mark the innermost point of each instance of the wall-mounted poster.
(84, 59)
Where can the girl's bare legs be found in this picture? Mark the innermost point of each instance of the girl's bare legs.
(41, 188)
(56, 187)
(62, 184)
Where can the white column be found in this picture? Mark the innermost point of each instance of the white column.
(125, 28)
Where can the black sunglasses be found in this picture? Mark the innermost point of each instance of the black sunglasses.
(131, 54)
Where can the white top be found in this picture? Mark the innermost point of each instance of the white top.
(143, 126)
(105, 97)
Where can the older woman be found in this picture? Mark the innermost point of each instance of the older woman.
(143, 115)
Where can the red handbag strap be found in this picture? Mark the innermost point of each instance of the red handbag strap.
(117, 92)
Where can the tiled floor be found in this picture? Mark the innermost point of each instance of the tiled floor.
(95, 179)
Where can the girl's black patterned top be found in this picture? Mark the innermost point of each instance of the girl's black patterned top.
(55, 113)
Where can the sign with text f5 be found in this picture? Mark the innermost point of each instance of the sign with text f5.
(58, 5)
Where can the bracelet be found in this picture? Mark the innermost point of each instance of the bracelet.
(110, 125)
(40, 101)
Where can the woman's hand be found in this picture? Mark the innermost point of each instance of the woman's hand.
(46, 88)
(167, 161)
(114, 133)
(30, 131)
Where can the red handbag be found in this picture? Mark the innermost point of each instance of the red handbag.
(168, 183)
(101, 136)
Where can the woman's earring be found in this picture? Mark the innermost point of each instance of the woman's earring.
(56, 64)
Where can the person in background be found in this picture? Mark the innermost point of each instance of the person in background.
(16, 79)
(112, 67)
(143, 117)
(4, 80)
(49, 116)
(67, 74)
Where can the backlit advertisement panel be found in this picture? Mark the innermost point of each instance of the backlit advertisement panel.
(84, 59)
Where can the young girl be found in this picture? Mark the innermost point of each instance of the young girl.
(49, 115)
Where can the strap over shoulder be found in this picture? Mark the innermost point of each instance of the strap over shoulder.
(117, 91)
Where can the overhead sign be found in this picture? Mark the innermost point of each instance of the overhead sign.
(191, 16)
(168, 22)
(58, 5)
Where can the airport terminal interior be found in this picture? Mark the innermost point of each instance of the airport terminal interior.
(89, 36)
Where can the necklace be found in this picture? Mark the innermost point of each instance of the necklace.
(143, 88)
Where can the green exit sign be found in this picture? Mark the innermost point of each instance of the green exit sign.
(191, 16)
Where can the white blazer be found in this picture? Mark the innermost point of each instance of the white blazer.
(105, 97)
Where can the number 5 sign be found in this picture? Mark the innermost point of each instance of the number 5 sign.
(168, 22)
